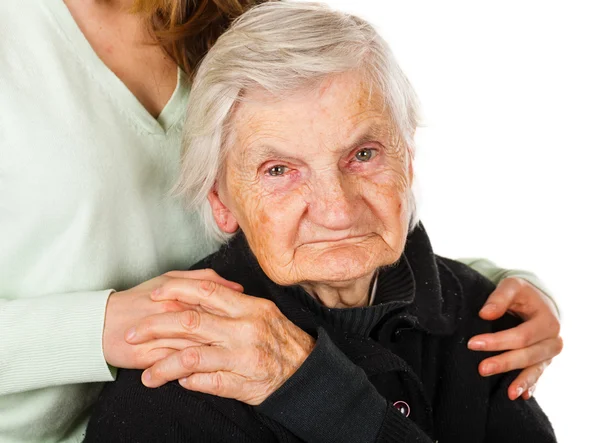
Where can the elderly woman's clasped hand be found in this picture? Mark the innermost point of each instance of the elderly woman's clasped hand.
(246, 347)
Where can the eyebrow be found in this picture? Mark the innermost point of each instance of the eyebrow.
(262, 151)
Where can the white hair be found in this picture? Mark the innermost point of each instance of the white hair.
(282, 47)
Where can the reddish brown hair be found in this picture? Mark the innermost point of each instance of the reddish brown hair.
(186, 29)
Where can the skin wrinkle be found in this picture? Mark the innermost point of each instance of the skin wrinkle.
(325, 194)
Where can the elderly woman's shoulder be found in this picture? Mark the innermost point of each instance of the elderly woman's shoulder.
(473, 289)
(469, 280)
(457, 280)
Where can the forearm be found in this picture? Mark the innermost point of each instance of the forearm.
(52, 340)
(331, 399)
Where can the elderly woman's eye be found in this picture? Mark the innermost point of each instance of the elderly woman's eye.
(277, 170)
(364, 155)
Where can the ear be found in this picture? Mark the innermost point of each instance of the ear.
(223, 216)
(411, 159)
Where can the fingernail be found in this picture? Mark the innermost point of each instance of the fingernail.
(489, 368)
(519, 391)
(155, 293)
(183, 380)
(130, 335)
(490, 307)
(476, 344)
(146, 377)
(531, 390)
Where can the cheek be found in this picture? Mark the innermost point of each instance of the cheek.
(272, 226)
(386, 195)
(270, 220)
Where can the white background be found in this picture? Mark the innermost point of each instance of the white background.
(507, 163)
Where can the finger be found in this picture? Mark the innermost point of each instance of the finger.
(500, 300)
(529, 393)
(220, 383)
(521, 336)
(176, 344)
(149, 353)
(176, 306)
(150, 357)
(199, 327)
(184, 363)
(206, 274)
(524, 384)
(518, 359)
(212, 296)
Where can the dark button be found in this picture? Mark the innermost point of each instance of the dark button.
(403, 407)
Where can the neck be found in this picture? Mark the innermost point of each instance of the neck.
(349, 294)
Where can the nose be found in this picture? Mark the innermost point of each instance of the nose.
(334, 203)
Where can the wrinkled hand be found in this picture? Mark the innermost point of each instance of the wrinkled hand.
(530, 345)
(250, 348)
(127, 308)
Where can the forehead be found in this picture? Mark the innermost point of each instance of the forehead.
(330, 112)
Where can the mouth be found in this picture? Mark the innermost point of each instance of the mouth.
(350, 239)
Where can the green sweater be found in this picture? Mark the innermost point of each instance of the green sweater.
(85, 173)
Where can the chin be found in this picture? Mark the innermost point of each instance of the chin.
(343, 264)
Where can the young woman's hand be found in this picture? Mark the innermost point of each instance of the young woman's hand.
(127, 308)
(531, 345)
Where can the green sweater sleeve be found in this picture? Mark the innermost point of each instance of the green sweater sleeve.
(52, 340)
(491, 271)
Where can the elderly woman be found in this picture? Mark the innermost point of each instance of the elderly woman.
(299, 153)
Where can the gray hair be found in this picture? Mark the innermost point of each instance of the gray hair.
(282, 47)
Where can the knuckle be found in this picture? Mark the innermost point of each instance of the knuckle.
(169, 287)
(267, 308)
(559, 344)
(218, 383)
(158, 373)
(206, 287)
(509, 287)
(251, 329)
(210, 272)
(524, 339)
(190, 320)
(554, 326)
(190, 358)
(518, 283)
(148, 325)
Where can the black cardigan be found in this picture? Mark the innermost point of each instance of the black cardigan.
(399, 371)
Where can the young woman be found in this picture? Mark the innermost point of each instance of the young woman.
(93, 96)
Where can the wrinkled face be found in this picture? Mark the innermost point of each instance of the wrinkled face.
(318, 183)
